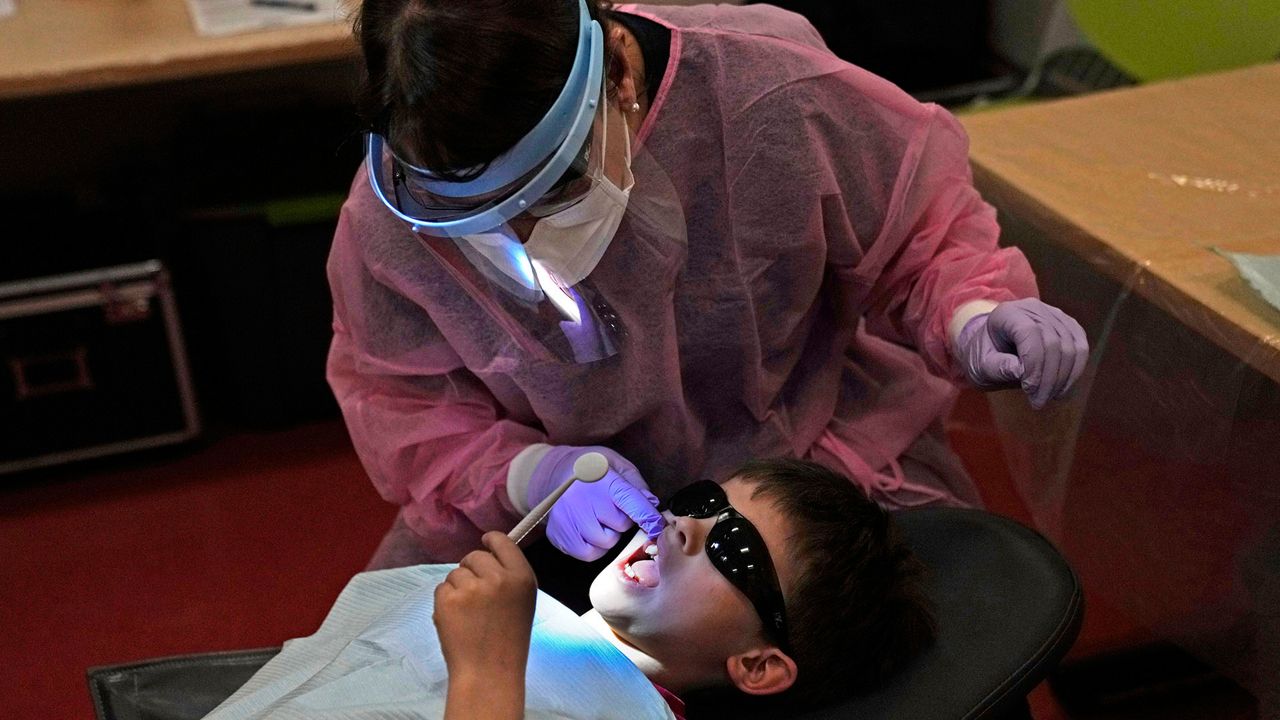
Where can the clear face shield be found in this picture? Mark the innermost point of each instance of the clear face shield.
(522, 236)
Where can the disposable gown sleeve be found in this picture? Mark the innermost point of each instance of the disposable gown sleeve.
(882, 185)
(938, 247)
(429, 434)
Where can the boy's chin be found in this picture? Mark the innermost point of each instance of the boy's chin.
(607, 594)
(596, 593)
(611, 606)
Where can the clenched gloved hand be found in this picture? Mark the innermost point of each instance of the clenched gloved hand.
(589, 519)
(1024, 343)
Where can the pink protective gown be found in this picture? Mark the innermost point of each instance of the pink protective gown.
(832, 230)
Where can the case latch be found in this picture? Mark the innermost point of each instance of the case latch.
(121, 307)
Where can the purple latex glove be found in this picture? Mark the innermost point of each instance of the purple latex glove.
(589, 519)
(1027, 343)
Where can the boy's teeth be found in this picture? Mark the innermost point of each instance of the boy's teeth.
(630, 573)
(651, 550)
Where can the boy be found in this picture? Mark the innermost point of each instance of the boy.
(781, 578)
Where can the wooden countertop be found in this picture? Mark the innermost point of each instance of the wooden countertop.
(53, 46)
(1143, 182)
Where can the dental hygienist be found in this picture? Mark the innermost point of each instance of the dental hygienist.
(681, 236)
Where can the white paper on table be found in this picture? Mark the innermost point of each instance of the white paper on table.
(1262, 272)
(8, 7)
(227, 17)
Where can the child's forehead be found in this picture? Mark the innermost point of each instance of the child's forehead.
(744, 496)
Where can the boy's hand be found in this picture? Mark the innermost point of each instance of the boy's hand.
(484, 614)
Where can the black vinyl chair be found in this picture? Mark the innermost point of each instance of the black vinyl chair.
(1008, 608)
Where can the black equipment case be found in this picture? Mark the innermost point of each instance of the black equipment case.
(93, 364)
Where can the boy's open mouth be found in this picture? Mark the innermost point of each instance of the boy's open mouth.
(641, 567)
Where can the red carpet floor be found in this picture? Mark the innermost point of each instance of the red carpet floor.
(244, 542)
(239, 544)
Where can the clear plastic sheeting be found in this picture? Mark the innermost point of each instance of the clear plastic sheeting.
(1159, 476)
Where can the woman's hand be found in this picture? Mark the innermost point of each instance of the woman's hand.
(589, 519)
(484, 615)
(1024, 343)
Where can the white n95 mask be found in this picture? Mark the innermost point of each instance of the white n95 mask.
(571, 242)
(543, 297)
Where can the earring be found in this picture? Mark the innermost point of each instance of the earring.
(635, 107)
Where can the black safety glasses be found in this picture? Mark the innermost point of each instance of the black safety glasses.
(737, 551)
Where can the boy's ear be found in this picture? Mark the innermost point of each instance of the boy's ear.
(764, 670)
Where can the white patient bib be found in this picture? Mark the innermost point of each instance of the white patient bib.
(377, 657)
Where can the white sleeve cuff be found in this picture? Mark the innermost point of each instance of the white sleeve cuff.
(964, 314)
(520, 471)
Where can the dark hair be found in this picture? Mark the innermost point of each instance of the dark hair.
(453, 84)
(857, 612)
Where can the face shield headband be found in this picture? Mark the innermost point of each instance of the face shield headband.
(516, 181)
